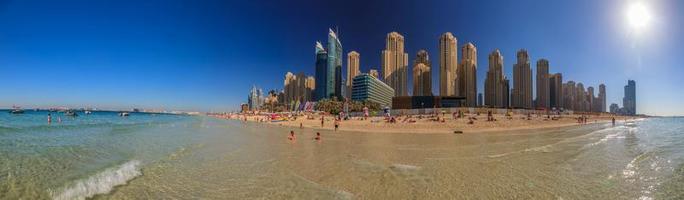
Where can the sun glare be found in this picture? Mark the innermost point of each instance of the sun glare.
(638, 16)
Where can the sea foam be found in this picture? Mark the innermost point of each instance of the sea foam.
(101, 183)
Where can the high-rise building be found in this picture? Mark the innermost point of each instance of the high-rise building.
(522, 81)
(581, 98)
(629, 101)
(602, 98)
(467, 75)
(368, 88)
(590, 99)
(335, 63)
(290, 86)
(507, 93)
(353, 59)
(310, 86)
(255, 98)
(448, 61)
(325, 89)
(494, 82)
(569, 95)
(374, 73)
(543, 96)
(556, 91)
(298, 87)
(395, 64)
(422, 78)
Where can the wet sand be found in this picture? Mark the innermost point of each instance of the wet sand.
(247, 160)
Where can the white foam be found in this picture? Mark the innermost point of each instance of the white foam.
(100, 183)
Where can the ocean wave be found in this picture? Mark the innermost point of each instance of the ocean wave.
(101, 183)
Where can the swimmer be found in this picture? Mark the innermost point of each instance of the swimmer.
(292, 136)
(318, 136)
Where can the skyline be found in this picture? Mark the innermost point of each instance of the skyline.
(587, 56)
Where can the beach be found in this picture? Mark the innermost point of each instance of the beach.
(430, 123)
(105, 156)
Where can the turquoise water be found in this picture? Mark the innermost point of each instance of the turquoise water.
(104, 156)
(62, 160)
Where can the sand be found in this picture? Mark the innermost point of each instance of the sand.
(429, 124)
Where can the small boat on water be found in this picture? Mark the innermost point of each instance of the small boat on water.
(16, 110)
(70, 113)
(124, 114)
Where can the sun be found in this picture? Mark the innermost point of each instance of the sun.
(638, 16)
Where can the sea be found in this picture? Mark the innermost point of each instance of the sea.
(163, 156)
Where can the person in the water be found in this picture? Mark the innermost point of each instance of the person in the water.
(318, 136)
(613, 121)
(49, 118)
(292, 136)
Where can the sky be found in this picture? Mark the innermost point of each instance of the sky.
(206, 55)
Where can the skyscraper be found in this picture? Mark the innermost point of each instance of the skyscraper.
(580, 97)
(556, 91)
(543, 98)
(335, 63)
(352, 70)
(569, 95)
(602, 98)
(324, 89)
(422, 75)
(310, 87)
(479, 100)
(290, 86)
(447, 64)
(590, 99)
(629, 101)
(522, 81)
(494, 82)
(395, 64)
(255, 98)
(467, 75)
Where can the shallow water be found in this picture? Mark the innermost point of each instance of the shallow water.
(180, 157)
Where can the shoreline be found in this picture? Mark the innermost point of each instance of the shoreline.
(427, 124)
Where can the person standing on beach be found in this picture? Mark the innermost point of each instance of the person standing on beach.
(337, 124)
(322, 120)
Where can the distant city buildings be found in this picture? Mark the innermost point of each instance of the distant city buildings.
(395, 63)
(422, 77)
(614, 108)
(353, 60)
(255, 99)
(629, 101)
(457, 81)
(448, 61)
(298, 88)
(522, 81)
(467, 75)
(368, 88)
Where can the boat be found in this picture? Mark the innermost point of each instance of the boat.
(70, 113)
(16, 110)
(124, 114)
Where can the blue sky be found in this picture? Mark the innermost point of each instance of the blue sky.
(205, 55)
